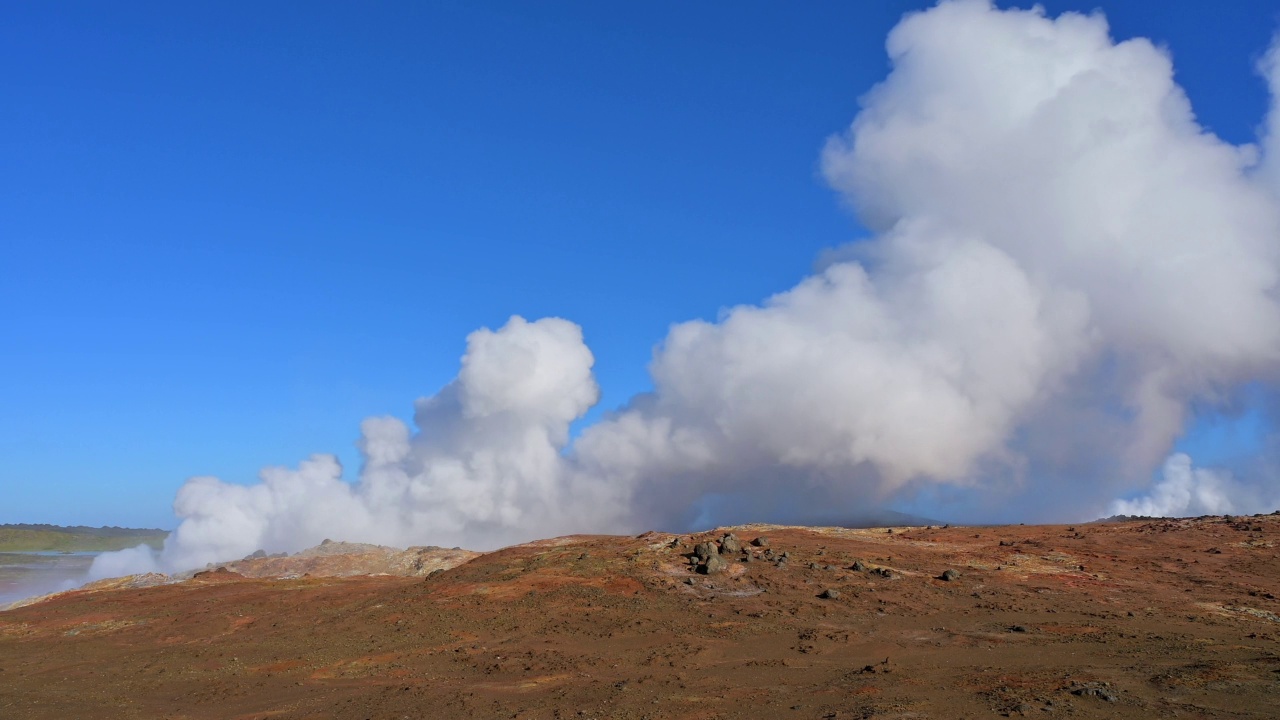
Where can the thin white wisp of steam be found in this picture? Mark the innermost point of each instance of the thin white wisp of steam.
(1063, 261)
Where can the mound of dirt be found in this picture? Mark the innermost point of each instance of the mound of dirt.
(329, 559)
(1139, 619)
(343, 559)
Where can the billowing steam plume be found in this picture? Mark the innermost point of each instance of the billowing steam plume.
(1063, 261)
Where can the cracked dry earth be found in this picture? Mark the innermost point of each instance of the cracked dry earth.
(1140, 619)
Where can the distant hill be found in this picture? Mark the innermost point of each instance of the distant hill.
(35, 538)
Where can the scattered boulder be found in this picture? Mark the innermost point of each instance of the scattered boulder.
(704, 550)
(761, 541)
(730, 544)
(814, 566)
(883, 572)
(829, 594)
(713, 565)
(768, 554)
(858, 566)
(949, 575)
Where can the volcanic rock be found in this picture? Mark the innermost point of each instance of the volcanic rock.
(714, 565)
(704, 550)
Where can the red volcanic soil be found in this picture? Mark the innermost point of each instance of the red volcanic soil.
(1139, 619)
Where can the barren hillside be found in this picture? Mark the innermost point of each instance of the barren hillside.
(1166, 618)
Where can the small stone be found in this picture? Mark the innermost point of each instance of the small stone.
(949, 575)
(829, 594)
(858, 566)
(761, 541)
(1018, 628)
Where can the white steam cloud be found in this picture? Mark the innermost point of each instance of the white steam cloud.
(1185, 490)
(1063, 261)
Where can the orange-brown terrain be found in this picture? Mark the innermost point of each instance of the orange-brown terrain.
(1163, 618)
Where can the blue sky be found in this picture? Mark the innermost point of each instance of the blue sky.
(232, 231)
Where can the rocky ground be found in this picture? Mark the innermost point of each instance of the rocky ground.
(1163, 618)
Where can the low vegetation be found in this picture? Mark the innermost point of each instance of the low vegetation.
(36, 538)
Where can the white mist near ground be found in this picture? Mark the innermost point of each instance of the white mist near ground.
(1184, 490)
(1063, 261)
(129, 561)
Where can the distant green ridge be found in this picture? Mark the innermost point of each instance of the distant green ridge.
(35, 538)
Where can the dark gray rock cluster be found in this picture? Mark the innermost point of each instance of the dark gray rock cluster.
(709, 556)
(704, 550)
(713, 565)
(1101, 691)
